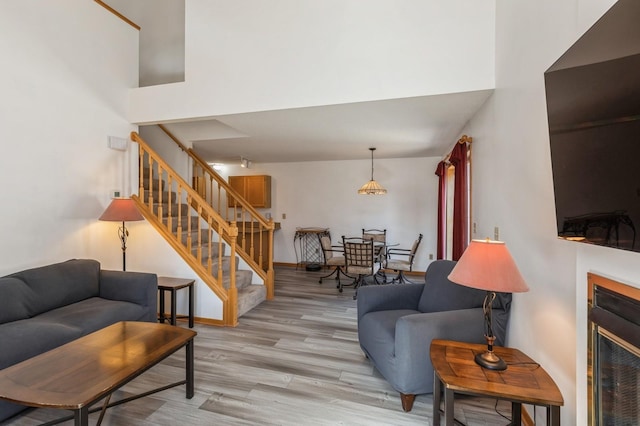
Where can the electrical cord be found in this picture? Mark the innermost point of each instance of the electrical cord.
(495, 408)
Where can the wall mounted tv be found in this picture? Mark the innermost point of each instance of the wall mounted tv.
(593, 111)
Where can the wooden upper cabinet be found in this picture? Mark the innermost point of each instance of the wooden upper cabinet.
(255, 189)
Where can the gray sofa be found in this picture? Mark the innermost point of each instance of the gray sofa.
(397, 322)
(46, 307)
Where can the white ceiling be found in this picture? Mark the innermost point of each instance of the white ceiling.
(397, 128)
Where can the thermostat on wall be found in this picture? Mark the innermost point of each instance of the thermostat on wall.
(118, 143)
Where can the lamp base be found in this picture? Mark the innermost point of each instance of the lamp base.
(490, 361)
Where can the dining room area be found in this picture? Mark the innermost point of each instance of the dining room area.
(355, 261)
(323, 196)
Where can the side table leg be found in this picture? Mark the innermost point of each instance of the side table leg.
(553, 415)
(189, 370)
(173, 307)
(436, 399)
(161, 317)
(191, 306)
(516, 413)
(448, 407)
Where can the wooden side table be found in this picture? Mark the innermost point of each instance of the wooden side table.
(172, 285)
(523, 382)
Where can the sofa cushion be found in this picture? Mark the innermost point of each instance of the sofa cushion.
(18, 296)
(60, 284)
(94, 313)
(34, 337)
(440, 294)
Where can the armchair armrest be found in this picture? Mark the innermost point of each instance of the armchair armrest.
(388, 297)
(413, 337)
(399, 252)
(136, 287)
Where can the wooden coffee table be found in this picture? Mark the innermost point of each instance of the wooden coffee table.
(77, 375)
(523, 382)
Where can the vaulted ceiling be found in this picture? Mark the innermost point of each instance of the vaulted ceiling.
(398, 128)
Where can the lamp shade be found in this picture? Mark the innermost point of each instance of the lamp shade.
(488, 265)
(371, 188)
(121, 210)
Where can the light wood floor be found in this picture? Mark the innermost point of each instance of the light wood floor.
(294, 360)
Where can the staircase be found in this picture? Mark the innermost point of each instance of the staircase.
(200, 235)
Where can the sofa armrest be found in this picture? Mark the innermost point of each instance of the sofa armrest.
(388, 297)
(136, 287)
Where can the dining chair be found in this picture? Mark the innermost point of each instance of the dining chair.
(333, 258)
(401, 260)
(379, 238)
(360, 261)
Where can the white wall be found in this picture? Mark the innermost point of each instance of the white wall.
(161, 38)
(67, 66)
(513, 190)
(324, 194)
(343, 51)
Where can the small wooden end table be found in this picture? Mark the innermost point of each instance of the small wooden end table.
(172, 285)
(523, 382)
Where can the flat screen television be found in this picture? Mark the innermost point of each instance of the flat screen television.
(593, 112)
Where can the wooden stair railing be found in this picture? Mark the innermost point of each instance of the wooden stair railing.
(161, 186)
(231, 206)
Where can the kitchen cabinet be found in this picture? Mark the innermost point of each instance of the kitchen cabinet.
(256, 189)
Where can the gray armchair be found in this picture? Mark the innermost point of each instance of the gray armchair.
(396, 323)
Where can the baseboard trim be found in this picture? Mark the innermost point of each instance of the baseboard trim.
(198, 320)
(209, 321)
(294, 265)
(291, 265)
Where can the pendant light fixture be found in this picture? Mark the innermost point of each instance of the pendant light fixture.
(372, 187)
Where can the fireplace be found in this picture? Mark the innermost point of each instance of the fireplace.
(614, 352)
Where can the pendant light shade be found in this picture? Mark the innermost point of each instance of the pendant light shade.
(372, 187)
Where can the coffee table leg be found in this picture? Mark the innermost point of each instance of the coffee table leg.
(448, 407)
(81, 417)
(189, 368)
(436, 399)
(516, 413)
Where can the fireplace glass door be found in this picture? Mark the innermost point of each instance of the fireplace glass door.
(618, 382)
(613, 353)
